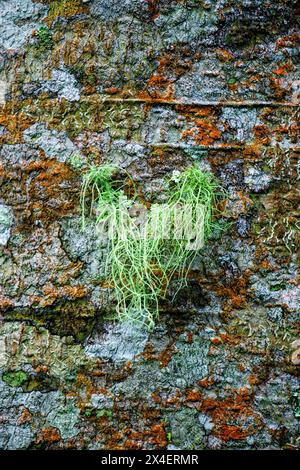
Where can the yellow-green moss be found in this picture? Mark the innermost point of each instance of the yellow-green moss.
(65, 8)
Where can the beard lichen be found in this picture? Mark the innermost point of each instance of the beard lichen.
(146, 253)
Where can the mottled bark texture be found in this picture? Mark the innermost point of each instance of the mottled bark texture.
(151, 85)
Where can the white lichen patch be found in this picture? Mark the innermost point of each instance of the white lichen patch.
(6, 220)
(63, 84)
(18, 20)
(55, 144)
(3, 89)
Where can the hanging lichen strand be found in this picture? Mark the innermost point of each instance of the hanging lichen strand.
(149, 246)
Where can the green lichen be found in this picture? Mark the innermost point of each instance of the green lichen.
(104, 413)
(96, 413)
(278, 287)
(30, 382)
(64, 8)
(15, 378)
(76, 162)
(91, 79)
(231, 81)
(140, 267)
(296, 396)
(44, 39)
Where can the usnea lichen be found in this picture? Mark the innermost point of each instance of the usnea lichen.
(141, 265)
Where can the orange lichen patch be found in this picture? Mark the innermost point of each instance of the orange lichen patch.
(262, 133)
(25, 417)
(216, 340)
(158, 88)
(277, 88)
(131, 444)
(52, 167)
(70, 272)
(41, 368)
(288, 41)
(229, 417)
(15, 122)
(252, 151)
(150, 413)
(265, 264)
(47, 187)
(228, 338)
(172, 65)
(173, 400)
(224, 55)
(113, 439)
(5, 302)
(155, 435)
(261, 130)
(166, 355)
(128, 366)
(230, 432)
(295, 282)
(267, 113)
(256, 77)
(235, 295)
(204, 130)
(204, 133)
(233, 86)
(48, 435)
(292, 130)
(245, 393)
(253, 379)
(53, 293)
(237, 301)
(82, 389)
(261, 252)
(149, 353)
(71, 394)
(112, 90)
(176, 62)
(207, 382)
(75, 292)
(281, 70)
(190, 112)
(212, 349)
(153, 8)
(189, 338)
(193, 395)
(158, 80)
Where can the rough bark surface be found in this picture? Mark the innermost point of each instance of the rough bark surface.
(152, 85)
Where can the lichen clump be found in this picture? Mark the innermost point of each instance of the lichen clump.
(65, 9)
(148, 247)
